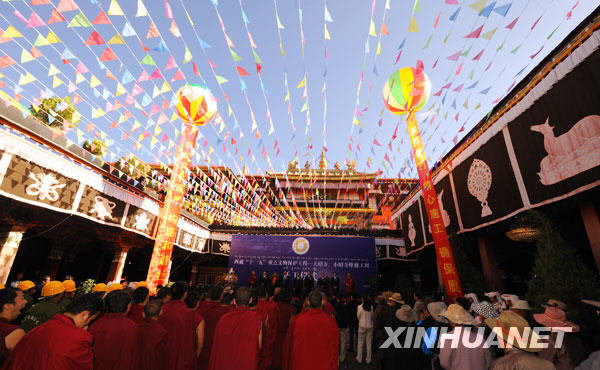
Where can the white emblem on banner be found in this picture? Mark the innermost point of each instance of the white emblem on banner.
(479, 182)
(300, 246)
(445, 215)
(102, 207)
(45, 186)
(141, 222)
(412, 232)
(570, 153)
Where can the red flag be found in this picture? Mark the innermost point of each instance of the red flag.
(101, 18)
(258, 68)
(95, 39)
(376, 142)
(384, 29)
(242, 71)
(56, 17)
(195, 69)
(108, 55)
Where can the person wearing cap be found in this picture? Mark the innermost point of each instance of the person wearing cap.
(459, 356)
(521, 307)
(61, 342)
(111, 287)
(43, 311)
(67, 297)
(483, 310)
(99, 289)
(11, 304)
(518, 353)
(496, 301)
(572, 350)
(28, 289)
(406, 357)
(115, 335)
(387, 318)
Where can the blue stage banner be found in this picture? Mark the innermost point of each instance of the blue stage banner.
(317, 254)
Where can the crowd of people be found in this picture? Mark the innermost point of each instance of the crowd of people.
(269, 325)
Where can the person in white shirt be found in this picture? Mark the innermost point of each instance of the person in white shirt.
(364, 313)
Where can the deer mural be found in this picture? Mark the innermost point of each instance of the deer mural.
(571, 153)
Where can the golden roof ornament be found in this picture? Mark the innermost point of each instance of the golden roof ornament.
(323, 161)
(293, 166)
(337, 166)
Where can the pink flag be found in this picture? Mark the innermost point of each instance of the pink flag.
(55, 17)
(35, 21)
(108, 55)
(101, 18)
(66, 6)
(171, 63)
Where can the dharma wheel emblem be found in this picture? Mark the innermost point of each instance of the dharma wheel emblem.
(300, 246)
(479, 182)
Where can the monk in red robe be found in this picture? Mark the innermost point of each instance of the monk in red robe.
(349, 285)
(283, 314)
(179, 321)
(61, 342)
(152, 342)
(140, 295)
(312, 340)
(266, 310)
(238, 337)
(212, 310)
(115, 335)
(11, 304)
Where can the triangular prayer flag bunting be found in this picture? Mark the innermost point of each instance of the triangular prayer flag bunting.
(258, 68)
(412, 27)
(454, 15)
(128, 30)
(475, 34)
(503, 9)
(11, 33)
(384, 30)
(53, 70)
(95, 39)
(485, 12)
(66, 6)
(117, 39)
(79, 21)
(188, 55)
(148, 60)
(141, 9)
(55, 17)
(220, 79)
(41, 41)
(242, 72)
(478, 5)
(108, 55)
(35, 21)
(114, 8)
(512, 24)
(234, 55)
(101, 18)
(152, 31)
(488, 35)
(372, 29)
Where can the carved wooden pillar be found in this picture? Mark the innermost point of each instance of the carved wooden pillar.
(491, 272)
(10, 239)
(592, 226)
(117, 265)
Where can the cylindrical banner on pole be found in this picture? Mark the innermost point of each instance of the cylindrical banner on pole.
(443, 251)
(169, 213)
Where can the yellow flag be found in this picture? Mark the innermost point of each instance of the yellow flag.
(281, 48)
(412, 27)
(52, 38)
(11, 32)
(327, 37)
(114, 8)
(116, 39)
(372, 29)
(79, 78)
(302, 83)
(56, 82)
(120, 89)
(379, 48)
(94, 82)
(279, 25)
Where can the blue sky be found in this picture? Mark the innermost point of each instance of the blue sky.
(474, 87)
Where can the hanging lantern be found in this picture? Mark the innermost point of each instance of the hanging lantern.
(522, 234)
(196, 104)
(406, 90)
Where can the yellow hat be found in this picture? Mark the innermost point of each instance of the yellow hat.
(141, 283)
(69, 285)
(25, 285)
(100, 287)
(52, 288)
(113, 287)
(2, 286)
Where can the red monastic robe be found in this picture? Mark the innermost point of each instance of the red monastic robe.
(283, 314)
(178, 320)
(136, 313)
(312, 342)
(115, 342)
(57, 344)
(212, 311)
(5, 329)
(235, 345)
(267, 311)
(152, 345)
